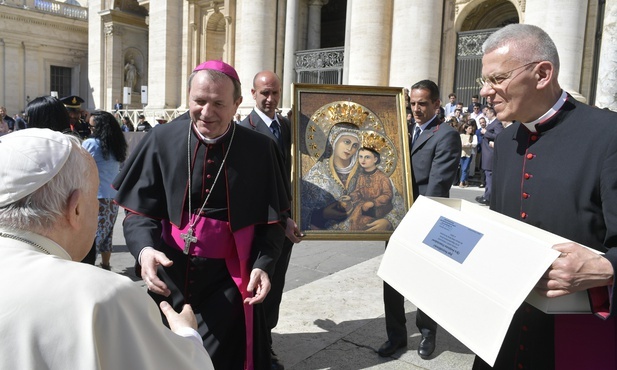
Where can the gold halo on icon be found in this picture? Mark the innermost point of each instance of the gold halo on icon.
(328, 115)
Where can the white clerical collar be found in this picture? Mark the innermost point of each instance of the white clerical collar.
(531, 126)
(425, 125)
(267, 120)
(212, 141)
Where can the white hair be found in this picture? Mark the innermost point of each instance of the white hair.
(39, 211)
(529, 43)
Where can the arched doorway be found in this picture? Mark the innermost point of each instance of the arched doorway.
(478, 25)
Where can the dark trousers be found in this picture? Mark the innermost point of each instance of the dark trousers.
(489, 184)
(272, 302)
(394, 305)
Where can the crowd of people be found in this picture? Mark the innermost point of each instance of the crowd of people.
(215, 247)
(471, 123)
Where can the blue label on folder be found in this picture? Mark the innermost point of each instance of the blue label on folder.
(452, 239)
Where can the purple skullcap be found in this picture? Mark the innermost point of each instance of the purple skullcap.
(220, 66)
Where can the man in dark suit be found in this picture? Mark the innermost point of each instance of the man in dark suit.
(118, 106)
(493, 128)
(267, 91)
(435, 154)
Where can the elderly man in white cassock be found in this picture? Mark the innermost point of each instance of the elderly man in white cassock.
(59, 314)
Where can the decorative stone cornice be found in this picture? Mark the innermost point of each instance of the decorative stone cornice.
(73, 26)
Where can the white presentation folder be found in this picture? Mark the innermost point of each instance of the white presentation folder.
(470, 268)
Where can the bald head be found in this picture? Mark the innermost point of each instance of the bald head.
(267, 92)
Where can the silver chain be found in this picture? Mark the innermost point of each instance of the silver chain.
(24, 240)
(188, 150)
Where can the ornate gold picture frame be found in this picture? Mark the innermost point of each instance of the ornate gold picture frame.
(351, 177)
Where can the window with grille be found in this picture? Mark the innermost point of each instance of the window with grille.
(60, 80)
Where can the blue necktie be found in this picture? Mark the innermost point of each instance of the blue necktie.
(276, 130)
(416, 134)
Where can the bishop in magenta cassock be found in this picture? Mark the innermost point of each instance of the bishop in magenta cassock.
(204, 199)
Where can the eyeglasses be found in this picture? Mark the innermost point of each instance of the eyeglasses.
(494, 80)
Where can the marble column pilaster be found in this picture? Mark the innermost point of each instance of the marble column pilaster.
(113, 72)
(564, 21)
(416, 45)
(11, 50)
(314, 23)
(163, 70)
(255, 42)
(606, 91)
(289, 62)
(96, 37)
(368, 59)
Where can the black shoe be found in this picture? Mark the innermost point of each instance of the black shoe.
(480, 199)
(389, 348)
(427, 346)
(275, 363)
(481, 185)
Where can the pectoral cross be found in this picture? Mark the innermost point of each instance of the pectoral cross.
(188, 239)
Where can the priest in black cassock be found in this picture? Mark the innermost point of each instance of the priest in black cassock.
(554, 168)
(203, 219)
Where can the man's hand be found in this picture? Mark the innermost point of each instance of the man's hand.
(149, 259)
(259, 284)
(577, 269)
(380, 224)
(292, 232)
(186, 318)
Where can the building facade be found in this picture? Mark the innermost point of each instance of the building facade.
(141, 52)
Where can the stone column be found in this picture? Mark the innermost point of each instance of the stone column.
(564, 21)
(418, 34)
(114, 68)
(369, 42)
(96, 36)
(3, 72)
(164, 74)
(606, 91)
(289, 63)
(404, 53)
(12, 78)
(255, 42)
(314, 23)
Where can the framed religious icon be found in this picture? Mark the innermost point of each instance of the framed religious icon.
(352, 177)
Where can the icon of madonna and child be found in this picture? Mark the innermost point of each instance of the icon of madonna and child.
(348, 188)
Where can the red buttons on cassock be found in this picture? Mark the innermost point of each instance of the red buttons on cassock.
(520, 366)
(210, 161)
(530, 156)
(525, 195)
(207, 191)
(208, 176)
(525, 328)
(534, 137)
(527, 176)
(521, 347)
(523, 215)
